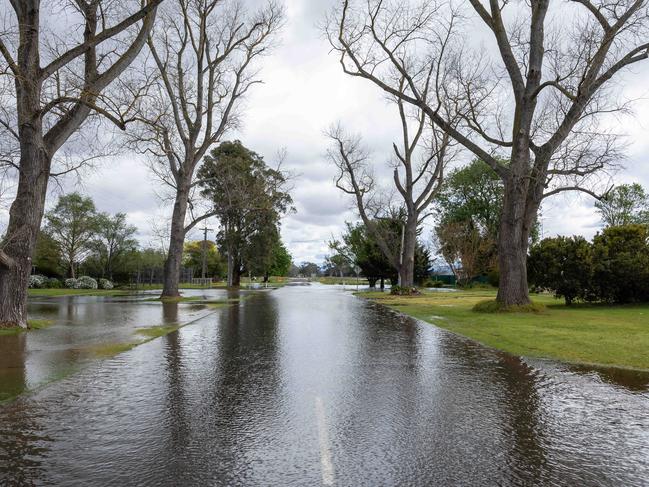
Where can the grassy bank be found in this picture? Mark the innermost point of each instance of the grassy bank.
(349, 281)
(31, 325)
(591, 334)
(74, 292)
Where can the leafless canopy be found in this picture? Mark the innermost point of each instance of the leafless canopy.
(82, 47)
(419, 162)
(539, 88)
(202, 63)
(529, 101)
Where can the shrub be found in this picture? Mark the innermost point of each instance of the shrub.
(404, 291)
(493, 277)
(71, 283)
(37, 282)
(53, 283)
(105, 284)
(563, 265)
(86, 282)
(621, 264)
(434, 283)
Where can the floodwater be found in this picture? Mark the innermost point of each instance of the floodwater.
(312, 386)
(81, 327)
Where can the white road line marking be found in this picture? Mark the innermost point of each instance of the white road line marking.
(325, 452)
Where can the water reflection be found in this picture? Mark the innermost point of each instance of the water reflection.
(13, 375)
(81, 325)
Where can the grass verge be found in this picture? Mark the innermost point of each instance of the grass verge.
(615, 336)
(31, 325)
(48, 293)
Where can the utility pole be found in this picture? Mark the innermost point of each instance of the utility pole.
(204, 272)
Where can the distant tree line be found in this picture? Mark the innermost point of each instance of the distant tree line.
(358, 247)
(76, 239)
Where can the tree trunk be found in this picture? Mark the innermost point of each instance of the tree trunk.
(174, 259)
(406, 268)
(513, 241)
(236, 271)
(25, 219)
(372, 282)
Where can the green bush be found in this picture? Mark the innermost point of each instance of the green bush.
(53, 283)
(613, 269)
(433, 283)
(563, 265)
(621, 264)
(493, 277)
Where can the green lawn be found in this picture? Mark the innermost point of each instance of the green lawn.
(349, 281)
(589, 334)
(74, 292)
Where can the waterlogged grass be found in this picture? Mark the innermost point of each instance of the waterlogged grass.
(107, 350)
(157, 331)
(31, 325)
(39, 324)
(589, 334)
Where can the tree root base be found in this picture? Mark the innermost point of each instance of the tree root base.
(494, 306)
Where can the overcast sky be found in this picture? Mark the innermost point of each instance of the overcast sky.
(304, 92)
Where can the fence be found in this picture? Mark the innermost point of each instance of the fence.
(155, 276)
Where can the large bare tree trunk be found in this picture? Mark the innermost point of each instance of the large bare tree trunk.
(24, 223)
(407, 264)
(512, 257)
(27, 209)
(173, 263)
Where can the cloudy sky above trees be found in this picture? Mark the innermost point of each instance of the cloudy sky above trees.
(304, 92)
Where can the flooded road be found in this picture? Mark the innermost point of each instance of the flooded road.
(312, 386)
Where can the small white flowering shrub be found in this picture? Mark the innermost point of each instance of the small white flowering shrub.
(86, 282)
(37, 282)
(71, 283)
(105, 284)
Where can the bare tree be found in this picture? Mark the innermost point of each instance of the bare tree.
(417, 177)
(58, 77)
(537, 102)
(203, 55)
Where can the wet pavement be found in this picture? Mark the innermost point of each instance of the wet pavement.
(312, 386)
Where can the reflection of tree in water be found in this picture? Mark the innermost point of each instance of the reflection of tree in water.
(169, 313)
(176, 401)
(515, 398)
(525, 414)
(634, 380)
(23, 443)
(13, 374)
(246, 375)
